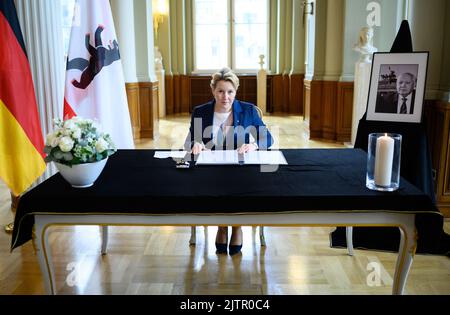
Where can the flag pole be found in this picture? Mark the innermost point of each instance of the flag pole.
(14, 203)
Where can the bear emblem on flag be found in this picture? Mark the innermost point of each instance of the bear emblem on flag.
(100, 57)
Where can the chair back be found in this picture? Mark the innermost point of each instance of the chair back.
(260, 112)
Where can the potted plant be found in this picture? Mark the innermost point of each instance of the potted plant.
(79, 150)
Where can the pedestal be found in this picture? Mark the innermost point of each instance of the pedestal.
(160, 74)
(361, 93)
(262, 90)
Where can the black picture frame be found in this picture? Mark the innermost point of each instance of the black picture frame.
(397, 87)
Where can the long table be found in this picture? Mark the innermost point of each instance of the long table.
(319, 187)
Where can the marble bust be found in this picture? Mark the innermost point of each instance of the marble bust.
(365, 45)
(158, 60)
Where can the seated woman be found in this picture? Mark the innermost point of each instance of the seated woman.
(227, 124)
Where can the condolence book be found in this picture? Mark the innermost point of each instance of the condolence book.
(218, 157)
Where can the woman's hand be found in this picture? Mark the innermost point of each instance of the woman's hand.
(197, 148)
(247, 148)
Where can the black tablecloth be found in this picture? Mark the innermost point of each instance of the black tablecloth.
(133, 181)
(416, 168)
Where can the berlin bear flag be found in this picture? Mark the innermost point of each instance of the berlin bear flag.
(95, 86)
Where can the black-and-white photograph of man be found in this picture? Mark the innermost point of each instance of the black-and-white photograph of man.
(397, 89)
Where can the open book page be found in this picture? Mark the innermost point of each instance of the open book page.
(170, 154)
(232, 157)
(219, 157)
(265, 157)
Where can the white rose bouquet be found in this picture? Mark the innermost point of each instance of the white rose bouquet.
(77, 141)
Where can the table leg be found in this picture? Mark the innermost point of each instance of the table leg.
(104, 229)
(193, 238)
(349, 236)
(408, 244)
(262, 238)
(40, 241)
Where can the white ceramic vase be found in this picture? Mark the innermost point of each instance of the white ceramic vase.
(81, 175)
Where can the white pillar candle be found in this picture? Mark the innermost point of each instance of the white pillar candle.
(384, 156)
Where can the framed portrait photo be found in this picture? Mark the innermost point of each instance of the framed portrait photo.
(397, 87)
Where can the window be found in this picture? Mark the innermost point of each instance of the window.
(230, 33)
(67, 7)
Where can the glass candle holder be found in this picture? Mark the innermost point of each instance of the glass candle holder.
(383, 161)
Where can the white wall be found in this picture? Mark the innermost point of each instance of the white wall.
(356, 17)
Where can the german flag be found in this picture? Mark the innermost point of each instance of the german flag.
(21, 142)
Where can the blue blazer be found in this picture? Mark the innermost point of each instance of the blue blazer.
(245, 116)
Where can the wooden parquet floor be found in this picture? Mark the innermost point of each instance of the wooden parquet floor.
(158, 260)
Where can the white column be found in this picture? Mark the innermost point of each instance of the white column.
(160, 75)
(41, 25)
(298, 39)
(334, 40)
(123, 14)
(310, 30)
(144, 42)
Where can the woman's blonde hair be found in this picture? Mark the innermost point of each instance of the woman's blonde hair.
(225, 74)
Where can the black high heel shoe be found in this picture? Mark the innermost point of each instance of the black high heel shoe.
(221, 248)
(234, 249)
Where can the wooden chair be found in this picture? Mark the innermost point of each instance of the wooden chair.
(262, 238)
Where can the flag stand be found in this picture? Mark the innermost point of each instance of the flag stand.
(14, 203)
(9, 227)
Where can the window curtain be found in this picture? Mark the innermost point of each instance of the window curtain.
(41, 26)
(286, 36)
